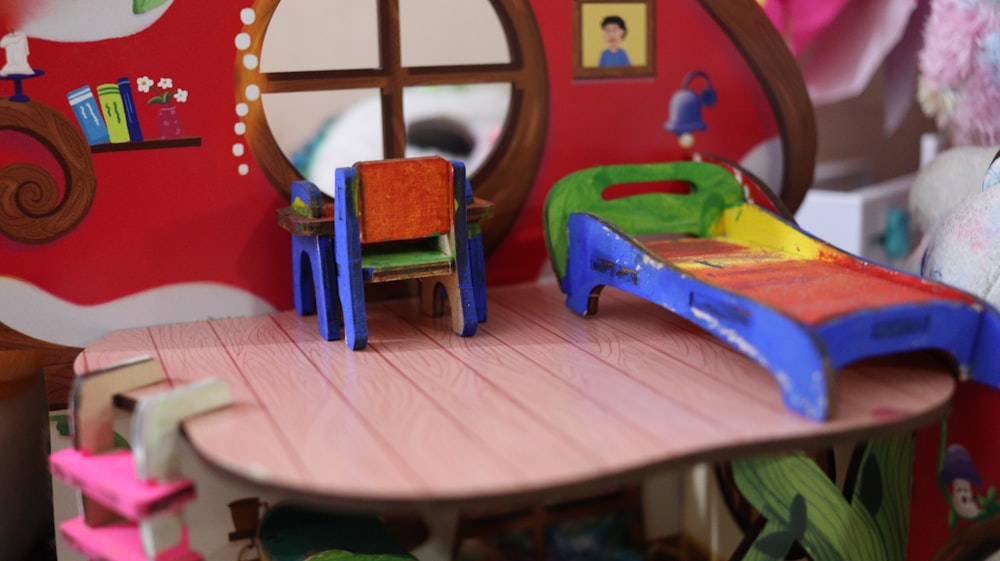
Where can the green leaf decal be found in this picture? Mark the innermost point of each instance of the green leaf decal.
(62, 424)
(120, 442)
(775, 545)
(797, 517)
(62, 427)
(802, 505)
(344, 555)
(871, 485)
(143, 6)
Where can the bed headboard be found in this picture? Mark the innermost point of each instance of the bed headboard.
(712, 190)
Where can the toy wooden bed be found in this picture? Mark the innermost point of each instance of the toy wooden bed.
(722, 257)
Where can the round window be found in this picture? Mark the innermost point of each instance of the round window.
(331, 82)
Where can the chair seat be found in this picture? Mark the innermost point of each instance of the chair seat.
(395, 261)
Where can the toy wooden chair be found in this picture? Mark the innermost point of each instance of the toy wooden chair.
(402, 219)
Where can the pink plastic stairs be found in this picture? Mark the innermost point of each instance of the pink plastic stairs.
(111, 480)
(131, 500)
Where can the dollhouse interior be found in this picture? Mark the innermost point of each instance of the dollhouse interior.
(145, 152)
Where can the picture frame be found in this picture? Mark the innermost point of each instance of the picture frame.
(613, 38)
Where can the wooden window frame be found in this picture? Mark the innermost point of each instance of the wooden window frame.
(505, 177)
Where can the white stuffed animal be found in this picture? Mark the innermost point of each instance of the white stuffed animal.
(963, 247)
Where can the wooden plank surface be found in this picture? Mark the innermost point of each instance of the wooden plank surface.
(540, 404)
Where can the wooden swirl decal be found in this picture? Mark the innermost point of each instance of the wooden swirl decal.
(34, 208)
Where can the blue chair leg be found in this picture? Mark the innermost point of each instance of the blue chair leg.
(469, 321)
(477, 264)
(312, 277)
(302, 277)
(350, 287)
(324, 277)
(347, 254)
(352, 302)
(302, 280)
(463, 304)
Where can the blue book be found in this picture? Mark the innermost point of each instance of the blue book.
(88, 114)
(131, 117)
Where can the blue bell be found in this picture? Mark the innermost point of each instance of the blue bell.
(685, 106)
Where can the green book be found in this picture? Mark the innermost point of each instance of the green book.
(109, 97)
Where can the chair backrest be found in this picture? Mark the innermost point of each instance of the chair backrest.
(404, 199)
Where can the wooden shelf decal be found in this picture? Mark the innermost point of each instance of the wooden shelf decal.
(181, 142)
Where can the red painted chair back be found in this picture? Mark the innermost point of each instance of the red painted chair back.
(404, 199)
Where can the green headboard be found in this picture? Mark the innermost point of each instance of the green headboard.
(713, 189)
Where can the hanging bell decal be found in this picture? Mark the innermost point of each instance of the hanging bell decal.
(685, 106)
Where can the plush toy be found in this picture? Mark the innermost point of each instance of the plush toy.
(949, 179)
(963, 247)
(959, 86)
(959, 83)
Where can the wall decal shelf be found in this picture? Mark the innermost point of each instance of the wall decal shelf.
(182, 142)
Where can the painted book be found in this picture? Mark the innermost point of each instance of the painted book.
(88, 115)
(113, 109)
(131, 116)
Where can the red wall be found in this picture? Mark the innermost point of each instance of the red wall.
(184, 214)
(166, 215)
(598, 122)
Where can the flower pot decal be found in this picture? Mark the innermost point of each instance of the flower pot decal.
(168, 123)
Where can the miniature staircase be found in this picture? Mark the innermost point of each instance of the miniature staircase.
(132, 500)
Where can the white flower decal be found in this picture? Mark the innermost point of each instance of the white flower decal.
(144, 84)
(164, 91)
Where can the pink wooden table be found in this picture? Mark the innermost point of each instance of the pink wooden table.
(539, 405)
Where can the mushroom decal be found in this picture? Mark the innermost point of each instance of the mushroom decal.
(958, 471)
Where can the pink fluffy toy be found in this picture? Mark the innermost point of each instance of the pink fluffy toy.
(959, 83)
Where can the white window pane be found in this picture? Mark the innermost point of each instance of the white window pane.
(457, 122)
(321, 35)
(450, 32)
(323, 130)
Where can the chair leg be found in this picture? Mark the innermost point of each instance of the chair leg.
(431, 298)
(302, 278)
(477, 266)
(312, 280)
(326, 293)
(351, 289)
(462, 303)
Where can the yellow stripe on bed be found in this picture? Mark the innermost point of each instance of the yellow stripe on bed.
(753, 226)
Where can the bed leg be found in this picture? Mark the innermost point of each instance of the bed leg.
(592, 298)
(581, 293)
